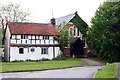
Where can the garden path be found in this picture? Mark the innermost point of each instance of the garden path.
(92, 62)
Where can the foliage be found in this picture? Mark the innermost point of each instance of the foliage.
(90, 54)
(110, 71)
(79, 23)
(61, 56)
(1, 36)
(104, 34)
(12, 12)
(45, 59)
(18, 61)
(63, 38)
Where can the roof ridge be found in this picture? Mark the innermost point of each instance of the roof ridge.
(29, 23)
(66, 15)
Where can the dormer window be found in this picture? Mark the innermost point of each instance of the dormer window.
(45, 37)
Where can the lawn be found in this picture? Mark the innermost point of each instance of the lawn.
(40, 65)
(109, 71)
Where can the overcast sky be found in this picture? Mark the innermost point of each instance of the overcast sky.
(41, 10)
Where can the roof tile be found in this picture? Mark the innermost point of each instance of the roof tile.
(32, 28)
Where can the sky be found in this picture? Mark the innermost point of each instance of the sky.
(43, 10)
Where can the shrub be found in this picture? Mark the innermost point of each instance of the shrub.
(45, 59)
(18, 61)
(27, 60)
(61, 56)
(90, 54)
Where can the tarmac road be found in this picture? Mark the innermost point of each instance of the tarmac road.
(76, 72)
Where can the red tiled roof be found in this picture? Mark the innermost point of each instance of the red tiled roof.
(32, 28)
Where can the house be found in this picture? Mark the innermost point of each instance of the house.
(30, 41)
(77, 27)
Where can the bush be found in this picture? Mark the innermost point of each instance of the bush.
(45, 59)
(27, 60)
(114, 57)
(18, 61)
(90, 54)
(61, 56)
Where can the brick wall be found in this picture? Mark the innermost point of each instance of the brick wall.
(67, 52)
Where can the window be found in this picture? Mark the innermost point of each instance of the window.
(21, 50)
(44, 50)
(83, 40)
(32, 37)
(32, 50)
(18, 36)
(13, 37)
(36, 38)
(74, 31)
(45, 37)
(78, 32)
(24, 36)
(71, 30)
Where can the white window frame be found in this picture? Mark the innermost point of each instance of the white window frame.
(44, 50)
(45, 37)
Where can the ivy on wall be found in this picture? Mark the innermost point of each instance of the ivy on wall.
(79, 23)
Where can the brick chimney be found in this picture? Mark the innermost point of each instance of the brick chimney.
(53, 21)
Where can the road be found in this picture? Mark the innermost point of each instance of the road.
(76, 72)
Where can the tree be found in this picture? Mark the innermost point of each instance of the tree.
(104, 34)
(12, 12)
(64, 37)
(1, 36)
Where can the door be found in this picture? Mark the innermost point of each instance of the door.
(32, 53)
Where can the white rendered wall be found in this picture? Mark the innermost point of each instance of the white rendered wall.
(7, 44)
(57, 51)
(36, 55)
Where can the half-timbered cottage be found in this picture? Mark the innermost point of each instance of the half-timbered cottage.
(30, 41)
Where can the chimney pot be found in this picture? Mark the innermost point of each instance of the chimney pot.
(53, 21)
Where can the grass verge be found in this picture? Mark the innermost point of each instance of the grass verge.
(40, 65)
(107, 73)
